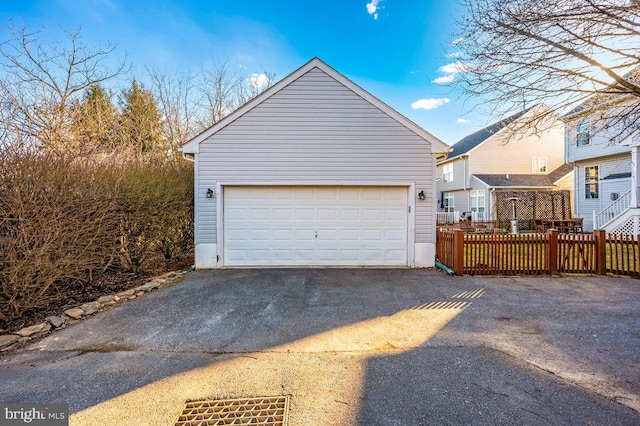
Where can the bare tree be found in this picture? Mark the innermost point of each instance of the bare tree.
(218, 84)
(190, 103)
(255, 85)
(39, 82)
(564, 53)
(175, 98)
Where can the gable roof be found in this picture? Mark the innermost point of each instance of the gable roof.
(560, 172)
(471, 141)
(603, 97)
(192, 146)
(526, 181)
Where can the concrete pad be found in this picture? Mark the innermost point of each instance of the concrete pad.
(350, 347)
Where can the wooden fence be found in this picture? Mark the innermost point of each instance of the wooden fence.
(530, 254)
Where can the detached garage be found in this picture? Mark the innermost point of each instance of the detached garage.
(315, 171)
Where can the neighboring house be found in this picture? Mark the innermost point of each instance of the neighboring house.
(497, 159)
(606, 189)
(315, 171)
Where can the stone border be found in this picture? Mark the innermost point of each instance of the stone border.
(80, 312)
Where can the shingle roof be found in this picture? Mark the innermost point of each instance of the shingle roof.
(516, 180)
(469, 142)
(528, 181)
(560, 172)
(617, 176)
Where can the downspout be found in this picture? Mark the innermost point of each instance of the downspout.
(576, 193)
(185, 156)
(464, 181)
(491, 204)
(444, 268)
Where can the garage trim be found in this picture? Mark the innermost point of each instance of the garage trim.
(411, 197)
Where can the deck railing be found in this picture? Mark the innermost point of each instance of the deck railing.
(612, 211)
(548, 253)
(456, 216)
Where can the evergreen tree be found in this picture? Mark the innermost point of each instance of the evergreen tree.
(94, 118)
(140, 120)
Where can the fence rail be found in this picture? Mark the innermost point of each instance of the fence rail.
(530, 254)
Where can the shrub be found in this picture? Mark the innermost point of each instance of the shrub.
(65, 222)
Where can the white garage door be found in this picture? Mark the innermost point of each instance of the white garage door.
(315, 225)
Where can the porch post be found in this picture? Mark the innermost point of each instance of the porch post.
(635, 173)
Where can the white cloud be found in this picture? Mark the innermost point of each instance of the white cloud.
(445, 79)
(457, 41)
(431, 103)
(454, 55)
(455, 68)
(258, 81)
(462, 121)
(372, 8)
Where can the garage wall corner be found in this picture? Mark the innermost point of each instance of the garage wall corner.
(425, 255)
(206, 256)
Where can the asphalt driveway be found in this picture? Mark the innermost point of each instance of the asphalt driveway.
(359, 346)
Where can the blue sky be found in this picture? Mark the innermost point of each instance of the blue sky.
(395, 49)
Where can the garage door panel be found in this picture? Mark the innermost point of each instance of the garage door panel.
(328, 214)
(305, 214)
(394, 235)
(350, 214)
(330, 235)
(282, 214)
(372, 235)
(314, 226)
(347, 235)
(371, 214)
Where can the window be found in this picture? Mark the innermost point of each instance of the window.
(449, 202)
(477, 201)
(583, 129)
(591, 182)
(539, 165)
(447, 173)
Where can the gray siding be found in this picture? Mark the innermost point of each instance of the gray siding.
(315, 130)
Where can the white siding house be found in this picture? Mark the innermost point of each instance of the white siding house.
(496, 159)
(314, 171)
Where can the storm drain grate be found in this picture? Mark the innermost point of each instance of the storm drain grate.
(271, 410)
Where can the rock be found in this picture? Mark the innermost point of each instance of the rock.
(90, 308)
(74, 313)
(116, 298)
(55, 321)
(35, 330)
(106, 299)
(148, 286)
(140, 293)
(126, 293)
(113, 302)
(153, 284)
(7, 341)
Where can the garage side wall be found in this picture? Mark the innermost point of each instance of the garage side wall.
(314, 131)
